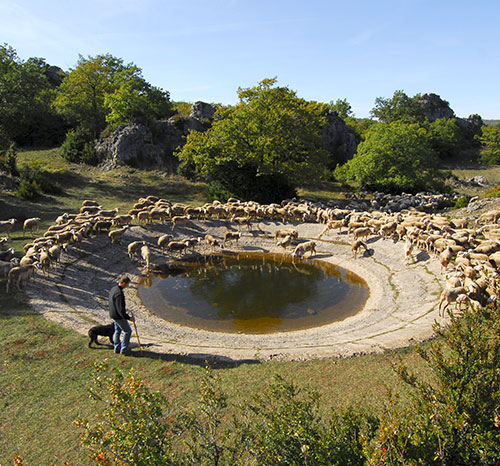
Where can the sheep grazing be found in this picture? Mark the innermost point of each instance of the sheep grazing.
(6, 226)
(163, 241)
(45, 261)
(211, 241)
(241, 221)
(116, 235)
(32, 224)
(101, 225)
(301, 249)
(62, 219)
(448, 296)
(177, 246)
(108, 213)
(356, 246)
(19, 275)
(3, 241)
(333, 225)
(361, 232)
(408, 250)
(134, 249)
(55, 252)
(122, 220)
(191, 242)
(90, 203)
(180, 220)
(5, 268)
(285, 242)
(287, 232)
(445, 258)
(146, 255)
(230, 236)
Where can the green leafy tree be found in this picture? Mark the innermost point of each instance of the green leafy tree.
(394, 157)
(490, 144)
(102, 89)
(271, 135)
(342, 107)
(26, 95)
(446, 137)
(400, 107)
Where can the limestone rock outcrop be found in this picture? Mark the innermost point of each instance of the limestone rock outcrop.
(339, 140)
(152, 146)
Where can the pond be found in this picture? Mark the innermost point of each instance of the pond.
(254, 293)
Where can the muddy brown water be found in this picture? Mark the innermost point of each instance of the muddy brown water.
(254, 293)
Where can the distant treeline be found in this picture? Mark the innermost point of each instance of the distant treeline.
(270, 142)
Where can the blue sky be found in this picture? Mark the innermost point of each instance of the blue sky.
(324, 50)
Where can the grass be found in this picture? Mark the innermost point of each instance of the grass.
(45, 368)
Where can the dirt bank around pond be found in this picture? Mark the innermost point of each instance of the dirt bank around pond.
(401, 308)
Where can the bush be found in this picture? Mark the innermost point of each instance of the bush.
(493, 192)
(462, 201)
(78, 147)
(27, 190)
(8, 160)
(35, 180)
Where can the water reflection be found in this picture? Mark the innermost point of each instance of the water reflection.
(254, 293)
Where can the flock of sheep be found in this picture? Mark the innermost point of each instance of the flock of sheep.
(469, 251)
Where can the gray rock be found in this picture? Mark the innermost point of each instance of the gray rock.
(435, 107)
(202, 111)
(339, 140)
(480, 181)
(152, 146)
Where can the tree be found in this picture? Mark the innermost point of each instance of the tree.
(102, 89)
(270, 135)
(394, 157)
(490, 144)
(26, 95)
(446, 137)
(342, 107)
(399, 108)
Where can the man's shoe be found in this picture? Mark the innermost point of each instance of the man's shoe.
(126, 352)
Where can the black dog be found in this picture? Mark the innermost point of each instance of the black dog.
(107, 330)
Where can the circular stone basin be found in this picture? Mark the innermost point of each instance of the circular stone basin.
(254, 293)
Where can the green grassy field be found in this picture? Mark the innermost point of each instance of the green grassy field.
(45, 369)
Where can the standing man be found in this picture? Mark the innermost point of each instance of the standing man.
(118, 313)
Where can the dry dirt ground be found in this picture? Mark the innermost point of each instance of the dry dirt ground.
(401, 308)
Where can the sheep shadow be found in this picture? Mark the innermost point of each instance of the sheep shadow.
(422, 256)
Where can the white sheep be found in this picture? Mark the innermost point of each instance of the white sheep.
(301, 249)
(145, 255)
(32, 224)
(134, 248)
(19, 275)
(7, 225)
(230, 236)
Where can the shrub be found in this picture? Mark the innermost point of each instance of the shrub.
(27, 190)
(8, 160)
(78, 148)
(462, 201)
(33, 173)
(493, 192)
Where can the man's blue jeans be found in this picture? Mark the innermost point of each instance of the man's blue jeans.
(121, 325)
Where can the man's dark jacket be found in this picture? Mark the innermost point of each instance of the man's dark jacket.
(117, 304)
